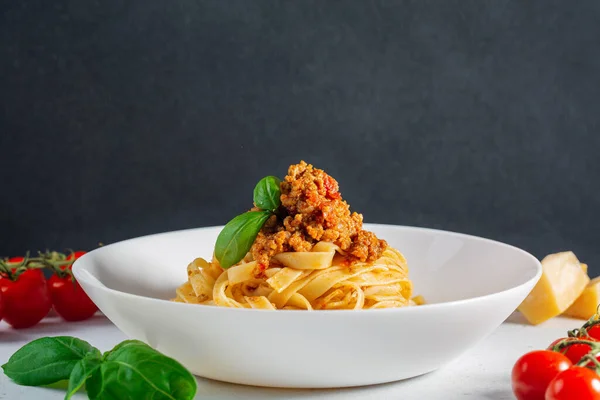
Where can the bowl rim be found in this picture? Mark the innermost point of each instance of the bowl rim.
(77, 269)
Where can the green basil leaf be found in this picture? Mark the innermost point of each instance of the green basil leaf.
(267, 194)
(47, 360)
(134, 370)
(237, 236)
(81, 372)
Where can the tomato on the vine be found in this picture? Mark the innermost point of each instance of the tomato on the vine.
(75, 255)
(533, 372)
(575, 383)
(576, 351)
(68, 298)
(594, 332)
(1, 306)
(26, 299)
(15, 261)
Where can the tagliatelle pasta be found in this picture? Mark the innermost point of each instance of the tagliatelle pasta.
(310, 254)
(324, 281)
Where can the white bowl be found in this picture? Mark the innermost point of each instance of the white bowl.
(471, 285)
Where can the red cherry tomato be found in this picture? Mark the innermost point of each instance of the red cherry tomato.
(69, 300)
(1, 306)
(574, 352)
(575, 383)
(26, 300)
(533, 372)
(75, 254)
(594, 332)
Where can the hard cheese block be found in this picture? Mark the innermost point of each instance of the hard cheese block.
(563, 280)
(585, 306)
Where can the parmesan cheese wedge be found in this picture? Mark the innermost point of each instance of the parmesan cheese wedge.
(563, 280)
(585, 306)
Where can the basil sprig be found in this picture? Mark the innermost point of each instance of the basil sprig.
(132, 370)
(237, 237)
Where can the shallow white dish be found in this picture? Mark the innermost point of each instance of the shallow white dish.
(471, 285)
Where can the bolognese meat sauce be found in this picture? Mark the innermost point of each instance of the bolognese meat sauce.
(312, 210)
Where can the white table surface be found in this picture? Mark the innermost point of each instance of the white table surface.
(481, 373)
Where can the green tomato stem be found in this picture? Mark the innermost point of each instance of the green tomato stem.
(56, 262)
(563, 344)
(589, 358)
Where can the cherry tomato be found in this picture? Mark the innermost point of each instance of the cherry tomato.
(533, 372)
(1, 306)
(26, 300)
(575, 383)
(15, 261)
(69, 300)
(594, 332)
(574, 352)
(75, 254)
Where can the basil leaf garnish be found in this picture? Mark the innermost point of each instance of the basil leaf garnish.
(267, 194)
(237, 237)
(134, 370)
(81, 372)
(47, 360)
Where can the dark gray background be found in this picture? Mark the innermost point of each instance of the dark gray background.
(124, 118)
